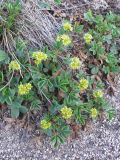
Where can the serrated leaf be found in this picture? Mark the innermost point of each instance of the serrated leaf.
(89, 16)
(78, 28)
(35, 105)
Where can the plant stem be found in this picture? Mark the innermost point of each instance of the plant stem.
(8, 82)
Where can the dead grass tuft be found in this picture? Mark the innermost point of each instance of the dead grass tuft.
(35, 26)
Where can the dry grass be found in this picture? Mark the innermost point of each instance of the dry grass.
(35, 26)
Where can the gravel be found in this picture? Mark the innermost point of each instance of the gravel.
(100, 142)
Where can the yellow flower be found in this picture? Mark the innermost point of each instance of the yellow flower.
(66, 112)
(98, 94)
(75, 63)
(28, 87)
(67, 26)
(39, 57)
(88, 38)
(45, 124)
(66, 40)
(14, 65)
(93, 113)
(83, 84)
(24, 89)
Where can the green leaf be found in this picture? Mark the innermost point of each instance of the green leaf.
(78, 28)
(115, 68)
(58, 2)
(99, 20)
(107, 38)
(89, 16)
(35, 105)
(1, 76)
(42, 83)
(97, 49)
(65, 131)
(81, 119)
(2, 99)
(23, 109)
(54, 141)
(113, 49)
(8, 100)
(3, 55)
(94, 70)
(110, 17)
(112, 59)
(55, 107)
(57, 140)
(106, 69)
(14, 109)
(15, 113)
(111, 114)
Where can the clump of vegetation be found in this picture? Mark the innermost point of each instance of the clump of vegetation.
(104, 33)
(8, 14)
(55, 82)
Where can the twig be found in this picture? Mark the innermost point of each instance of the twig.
(8, 82)
(75, 7)
(46, 97)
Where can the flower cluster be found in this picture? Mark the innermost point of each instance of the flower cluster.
(98, 94)
(14, 65)
(83, 84)
(66, 112)
(67, 26)
(75, 63)
(65, 39)
(39, 57)
(45, 124)
(24, 89)
(94, 112)
(88, 38)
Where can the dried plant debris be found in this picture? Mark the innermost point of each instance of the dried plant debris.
(26, 20)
